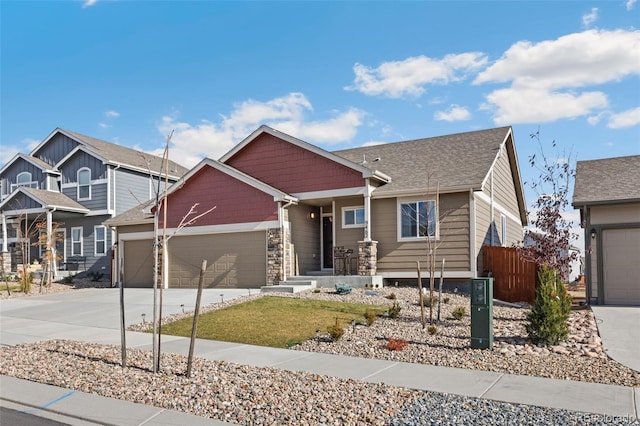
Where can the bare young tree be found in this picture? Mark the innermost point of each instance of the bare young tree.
(47, 242)
(551, 239)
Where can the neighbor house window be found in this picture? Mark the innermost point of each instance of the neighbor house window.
(76, 241)
(84, 184)
(417, 219)
(352, 217)
(24, 179)
(100, 240)
(503, 230)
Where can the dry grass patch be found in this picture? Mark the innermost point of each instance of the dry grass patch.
(277, 322)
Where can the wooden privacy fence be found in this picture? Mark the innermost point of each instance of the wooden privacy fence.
(514, 278)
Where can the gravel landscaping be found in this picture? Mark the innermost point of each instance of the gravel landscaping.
(251, 395)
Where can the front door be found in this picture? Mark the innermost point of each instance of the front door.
(327, 241)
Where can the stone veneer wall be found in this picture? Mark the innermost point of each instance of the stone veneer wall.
(275, 256)
(367, 258)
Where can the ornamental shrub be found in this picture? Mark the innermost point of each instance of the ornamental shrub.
(548, 320)
(335, 331)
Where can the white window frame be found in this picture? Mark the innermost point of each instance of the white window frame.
(96, 240)
(436, 230)
(503, 230)
(88, 185)
(353, 209)
(29, 183)
(73, 243)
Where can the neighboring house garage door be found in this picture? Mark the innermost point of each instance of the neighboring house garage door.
(138, 263)
(233, 260)
(621, 266)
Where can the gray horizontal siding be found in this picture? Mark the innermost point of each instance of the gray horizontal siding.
(94, 261)
(131, 189)
(98, 199)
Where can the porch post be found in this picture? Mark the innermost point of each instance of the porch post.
(51, 246)
(4, 234)
(367, 211)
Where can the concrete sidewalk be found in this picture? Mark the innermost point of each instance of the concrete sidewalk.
(89, 318)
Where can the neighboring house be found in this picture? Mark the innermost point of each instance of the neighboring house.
(282, 206)
(607, 193)
(75, 182)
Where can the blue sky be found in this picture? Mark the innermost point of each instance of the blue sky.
(336, 74)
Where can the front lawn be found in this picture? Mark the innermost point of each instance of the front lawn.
(278, 322)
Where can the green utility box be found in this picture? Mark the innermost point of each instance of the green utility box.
(482, 313)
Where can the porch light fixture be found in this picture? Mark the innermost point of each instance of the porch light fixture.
(593, 233)
(312, 215)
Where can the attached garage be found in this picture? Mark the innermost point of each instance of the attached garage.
(235, 260)
(138, 263)
(621, 266)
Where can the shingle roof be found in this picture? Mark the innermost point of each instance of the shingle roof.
(137, 214)
(607, 180)
(50, 199)
(455, 161)
(128, 156)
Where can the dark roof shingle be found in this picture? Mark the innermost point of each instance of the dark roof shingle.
(455, 161)
(607, 180)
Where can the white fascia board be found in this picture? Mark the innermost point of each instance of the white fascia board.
(495, 160)
(25, 158)
(204, 230)
(140, 169)
(366, 172)
(23, 211)
(420, 192)
(74, 151)
(331, 193)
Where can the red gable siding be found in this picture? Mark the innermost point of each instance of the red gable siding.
(292, 169)
(235, 201)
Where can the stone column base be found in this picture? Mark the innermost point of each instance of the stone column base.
(367, 258)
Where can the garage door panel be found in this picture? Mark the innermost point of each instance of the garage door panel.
(233, 260)
(621, 266)
(138, 263)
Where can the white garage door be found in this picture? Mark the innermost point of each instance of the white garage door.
(237, 260)
(621, 266)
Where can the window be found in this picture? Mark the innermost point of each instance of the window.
(352, 217)
(76, 241)
(100, 240)
(24, 179)
(417, 219)
(503, 230)
(84, 184)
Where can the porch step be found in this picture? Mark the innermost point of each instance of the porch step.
(289, 286)
(355, 281)
(327, 273)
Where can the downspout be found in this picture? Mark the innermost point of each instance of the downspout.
(588, 255)
(473, 252)
(283, 236)
(493, 224)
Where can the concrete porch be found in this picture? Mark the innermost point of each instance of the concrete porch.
(299, 283)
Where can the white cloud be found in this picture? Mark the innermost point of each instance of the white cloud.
(590, 18)
(630, 4)
(373, 143)
(89, 3)
(10, 151)
(539, 106)
(454, 113)
(191, 142)
(112, 114)
(103, 125)
(628, 118)
(543, 75)
(409, 77)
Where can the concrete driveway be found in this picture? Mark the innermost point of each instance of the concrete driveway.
(93, 315)
(619, 328)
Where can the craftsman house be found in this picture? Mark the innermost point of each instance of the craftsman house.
(73, 183)
(607, 194)
(284, 208)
